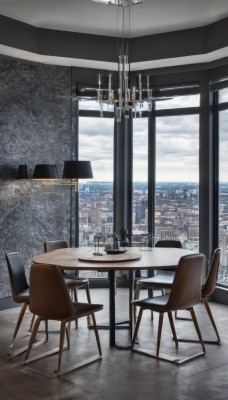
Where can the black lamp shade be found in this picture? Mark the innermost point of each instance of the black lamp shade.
(22, 172)
(77, 170)
(45, 171)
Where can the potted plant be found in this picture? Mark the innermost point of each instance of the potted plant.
(123, 236)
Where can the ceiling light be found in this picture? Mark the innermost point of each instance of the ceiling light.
(129, 96)
(120, 3)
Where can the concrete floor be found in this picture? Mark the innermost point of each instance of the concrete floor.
(121, 374)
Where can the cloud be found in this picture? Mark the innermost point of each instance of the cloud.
(96, 145)
(177, 147)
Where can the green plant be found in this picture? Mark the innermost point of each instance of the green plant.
(123, 231)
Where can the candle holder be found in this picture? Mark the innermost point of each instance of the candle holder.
(98, 242)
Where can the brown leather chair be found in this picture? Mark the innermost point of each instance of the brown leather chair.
(163, 279)
(73, 282)
(185, 294)
(50, 300)
(207, 289)
(20, 293)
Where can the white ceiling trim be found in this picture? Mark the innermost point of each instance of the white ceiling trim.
(170, 62)
(102, 65)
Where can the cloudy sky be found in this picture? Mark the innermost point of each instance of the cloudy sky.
(177, 150)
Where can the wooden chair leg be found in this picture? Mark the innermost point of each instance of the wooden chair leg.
(88, 294)
(160, 324)
(206, 304)
(193, 315)
(61, 344)
(20, 317)
(96, 334)
(10, 352)
(151, 294)
(89, 319)
(32, 322)
(137, 327)
(75, 298)
(173, 328)
(68, 334)
(136, 297)
(33, 336)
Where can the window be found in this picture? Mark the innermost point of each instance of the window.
(96, 196)
(223, 95)
(140, 182)
(223, 194)
(179, 102)
(177, 179)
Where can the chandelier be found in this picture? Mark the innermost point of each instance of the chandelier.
(121, 3)
(126, 97)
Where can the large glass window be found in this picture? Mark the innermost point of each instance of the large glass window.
(223, 95)
(177, 179)
(140, 181)
(96, 196)
(223, 193)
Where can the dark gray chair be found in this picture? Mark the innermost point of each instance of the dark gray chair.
(50, 300)
(20, 293)
(163, 279)
(185, 294)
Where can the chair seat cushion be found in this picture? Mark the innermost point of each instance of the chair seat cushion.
(160, 280)
(22, 296)
(73, 282)
(152, 303)
(83, 309)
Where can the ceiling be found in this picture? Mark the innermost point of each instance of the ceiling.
(84, 16)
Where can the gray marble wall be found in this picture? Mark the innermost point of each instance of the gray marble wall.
(35, 127)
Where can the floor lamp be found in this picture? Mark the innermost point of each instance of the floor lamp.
(72, 172)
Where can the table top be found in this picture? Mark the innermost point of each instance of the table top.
(154, 258)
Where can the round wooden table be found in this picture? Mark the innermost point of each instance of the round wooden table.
(83, 259)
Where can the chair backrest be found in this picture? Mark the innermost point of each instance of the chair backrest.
(51, 245)
(211, 280)
(16, 268)
(187, 283)
(49, 297)
(169, 243)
